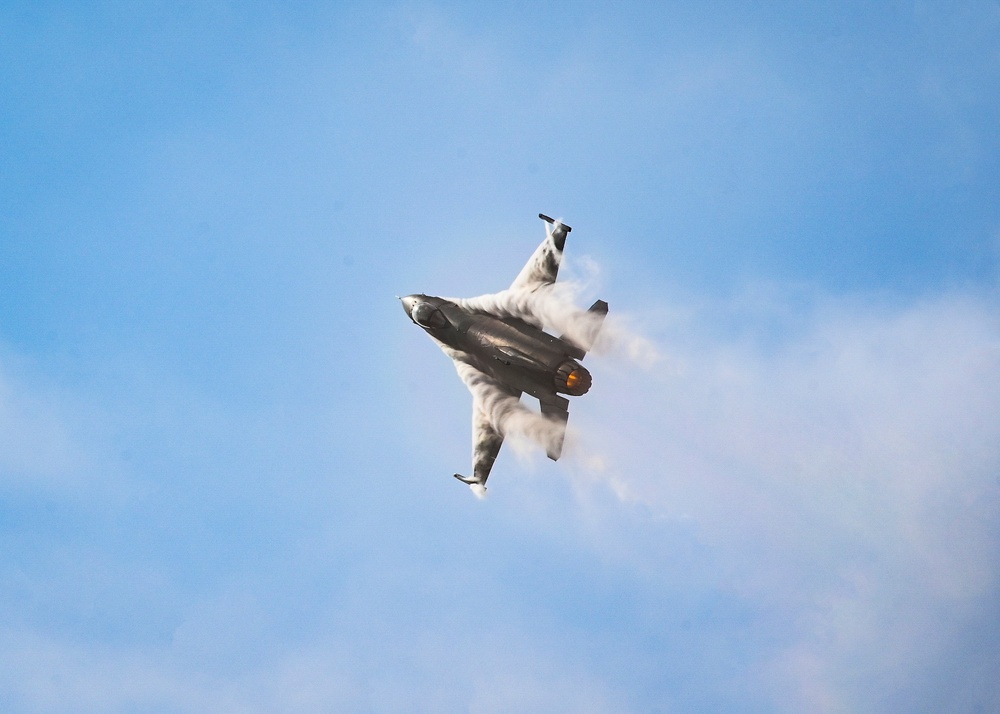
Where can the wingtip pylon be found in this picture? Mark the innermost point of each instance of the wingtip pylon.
(477, 486)
(554, 222)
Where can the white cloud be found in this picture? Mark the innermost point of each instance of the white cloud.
(363, 659)
(848, 478)
(39, 443)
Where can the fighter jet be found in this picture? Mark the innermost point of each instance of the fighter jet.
(509, 355)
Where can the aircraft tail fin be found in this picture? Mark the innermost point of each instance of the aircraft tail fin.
(586, 341)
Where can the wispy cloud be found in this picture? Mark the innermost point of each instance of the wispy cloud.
(847, 477)
(44, 433)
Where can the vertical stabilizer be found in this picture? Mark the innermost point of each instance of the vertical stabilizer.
(586, 341)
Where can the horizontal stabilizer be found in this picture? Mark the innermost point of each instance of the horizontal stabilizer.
(557, 413)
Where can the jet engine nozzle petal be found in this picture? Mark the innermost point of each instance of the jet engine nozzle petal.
(572, 378)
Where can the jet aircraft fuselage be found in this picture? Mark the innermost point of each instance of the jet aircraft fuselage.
(513, 354)
(511, 351)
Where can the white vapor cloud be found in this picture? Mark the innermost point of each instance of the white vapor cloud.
(34, 439)
(554, 307)
(47, 435)
(507, 415)
(848, 478)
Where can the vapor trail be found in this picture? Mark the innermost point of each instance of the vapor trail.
(554, 307)
(505, 413)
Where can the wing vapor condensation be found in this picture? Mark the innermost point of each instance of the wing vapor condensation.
(501, 349)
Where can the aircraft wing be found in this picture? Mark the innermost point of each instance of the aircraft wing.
(543, 265)
(486, 440)
(486, 443)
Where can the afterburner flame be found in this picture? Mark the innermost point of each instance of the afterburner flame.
(572, 378)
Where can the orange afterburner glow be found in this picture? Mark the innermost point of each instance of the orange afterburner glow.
(572, 378)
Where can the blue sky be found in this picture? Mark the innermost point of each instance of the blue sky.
(225, 453)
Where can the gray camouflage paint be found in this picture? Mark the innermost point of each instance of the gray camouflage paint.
(500, 350)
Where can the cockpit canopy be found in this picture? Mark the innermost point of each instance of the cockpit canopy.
(428, 316)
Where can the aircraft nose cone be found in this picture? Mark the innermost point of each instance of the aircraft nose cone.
(408, 303)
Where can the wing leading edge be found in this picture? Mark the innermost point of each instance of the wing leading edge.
(486, 440)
